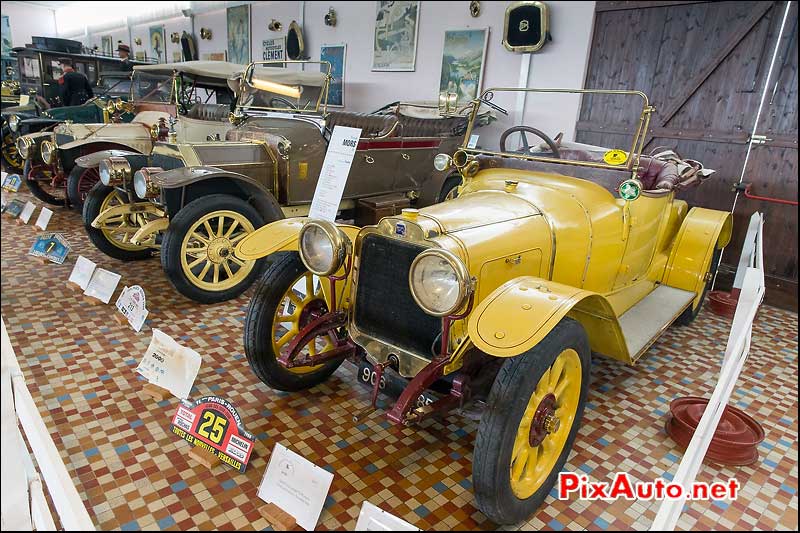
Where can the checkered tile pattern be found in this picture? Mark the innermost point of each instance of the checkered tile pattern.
(132, 473)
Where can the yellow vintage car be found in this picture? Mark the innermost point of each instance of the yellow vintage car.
(548, 254)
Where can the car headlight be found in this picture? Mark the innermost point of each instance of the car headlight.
(13, 123)
(119, 105)
(284, 145)
(143, 182)
(442, 162)
(48, 152)
(24, 147)
(323, 247)
(439, 282)
(114, 171)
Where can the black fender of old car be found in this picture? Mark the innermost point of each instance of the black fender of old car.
(183, 185)
(93, 160)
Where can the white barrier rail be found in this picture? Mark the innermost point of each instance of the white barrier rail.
(736, 352)
(24, 506)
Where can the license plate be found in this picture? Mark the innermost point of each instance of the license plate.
(392, 384)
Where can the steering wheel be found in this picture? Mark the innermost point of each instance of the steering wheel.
(282, 101)
(527, 129)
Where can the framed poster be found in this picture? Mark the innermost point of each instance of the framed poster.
(214, 56)
(158, 43)
(395, 45)
(462, 62)
(274, 49)
(239, 34)
(106, 45)
(334, 54)
(6, 35)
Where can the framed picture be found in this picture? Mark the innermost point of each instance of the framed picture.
(396, 30)
(239, 34)
(158, 44)
(334, 54)
(462, 62)
(6, 35)
(214, 56)
(139, 56)
(106, 45)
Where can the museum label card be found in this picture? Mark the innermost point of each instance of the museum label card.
(12, 182)
(170, 365)
(333, 176)
(296, 485)
(102, 285)
(14, 208)
(131, 303)
(473, 141)
(51, 246)
(213, 424)
(373, 518)
(44, 218)
(82, 272)
(27, 211)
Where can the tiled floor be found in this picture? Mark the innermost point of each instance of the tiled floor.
(134, 474)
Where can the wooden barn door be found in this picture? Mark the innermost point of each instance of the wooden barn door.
(704, 66)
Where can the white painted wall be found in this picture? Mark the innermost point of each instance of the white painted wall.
(28, 20)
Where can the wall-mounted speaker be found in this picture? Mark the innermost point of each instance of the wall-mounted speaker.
(526, 27)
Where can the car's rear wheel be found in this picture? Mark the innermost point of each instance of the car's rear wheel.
(449, 188)
(533, 414)
(113, 237)
(79, 183)
(198, 249)
(690, 314)
(285, 300)
(43, 185)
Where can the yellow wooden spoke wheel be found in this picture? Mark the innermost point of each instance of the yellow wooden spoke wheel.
(207, 249)
(545, 424)
(10, 153)
(118, 230)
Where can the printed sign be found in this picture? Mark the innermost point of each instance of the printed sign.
(102, 285)
(296, 485)
(12, 182)
(44, 218)
(213, 424)
(170, 365)
(14, 208)
(274, 49)
(51, 246)
(131, 303)
(3, 200)
(82, 272)
(373, 518)
(333, 176)
(473, 141)
(27, 211)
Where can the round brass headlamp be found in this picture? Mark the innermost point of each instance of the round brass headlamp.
(13, 122)
(323, 247)
(25, 147)
(284, 146)
(460, 158)
(119, 105)
(114, 171)
(48, 152)
(143, 182)
(439, 282)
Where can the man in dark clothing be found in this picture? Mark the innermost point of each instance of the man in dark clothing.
(74, 87)
(125, 54)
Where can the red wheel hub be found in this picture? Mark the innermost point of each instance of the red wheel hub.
(544, 420)
(737, 437)
(312, 310)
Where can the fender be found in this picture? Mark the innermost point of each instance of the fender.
(139, 146)
(261, 198)
(280, 236)
(701, 232)
(145, 232)
(519, 314)
(126, 209)
(93, 160)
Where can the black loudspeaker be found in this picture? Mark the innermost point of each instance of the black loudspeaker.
(526, 26)
(295, 47)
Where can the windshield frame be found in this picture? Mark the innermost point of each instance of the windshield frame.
(321, 106)
(634, 154)
(172, 91)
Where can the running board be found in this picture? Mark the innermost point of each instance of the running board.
(643, 323)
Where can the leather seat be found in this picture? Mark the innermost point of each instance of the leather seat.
(438, 127)
(209, 112)
(371, 125)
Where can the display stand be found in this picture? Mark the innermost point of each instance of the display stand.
(91, 300)
(204, 457)
(42, 260)
(154, 391)
(74, 287)
(121, 320)
(280, 519)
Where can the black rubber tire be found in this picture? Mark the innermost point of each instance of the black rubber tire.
(91, 208)
(39, 192)
(506, 404)
(690, 314)
(73, 192)
(284, 269)
(10, 163)
(449, 184)
(173, 238)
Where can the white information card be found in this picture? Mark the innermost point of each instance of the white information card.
(82, 272)
(170, 365)
(296, 485)
(27, 211)
(333, 176)
(44, 218)
(373, 518)
(131, 303)
(102, 285)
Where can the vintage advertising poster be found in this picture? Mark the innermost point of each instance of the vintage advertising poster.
(6, 34)
(274, 49)
(334, 54)
(239, 34)
(395, 45)
(158, 43)
(106, 45)
(462, 62)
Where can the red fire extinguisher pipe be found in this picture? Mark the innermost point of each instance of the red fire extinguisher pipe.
(745, 188)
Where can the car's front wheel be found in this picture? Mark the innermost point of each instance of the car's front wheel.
(114, 235)
(533, 414)
(79, 183)
(198, 249)
(43, 185)
(286, 299)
